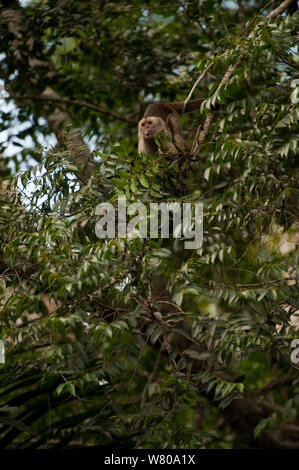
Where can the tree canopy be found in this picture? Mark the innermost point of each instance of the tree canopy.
(140, 342)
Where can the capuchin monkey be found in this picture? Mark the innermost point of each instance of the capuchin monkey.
(164, 118)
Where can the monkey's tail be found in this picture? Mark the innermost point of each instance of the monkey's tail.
(192, 105)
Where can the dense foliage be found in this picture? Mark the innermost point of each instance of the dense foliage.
(141, 342)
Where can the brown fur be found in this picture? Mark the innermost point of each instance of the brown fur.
(164, 118)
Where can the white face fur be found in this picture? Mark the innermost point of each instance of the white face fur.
(150, 126)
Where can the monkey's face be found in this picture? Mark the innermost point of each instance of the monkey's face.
(151, 126)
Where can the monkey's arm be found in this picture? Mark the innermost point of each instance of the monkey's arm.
(147, 146)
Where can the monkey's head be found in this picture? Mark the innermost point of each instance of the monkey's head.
(151, 126)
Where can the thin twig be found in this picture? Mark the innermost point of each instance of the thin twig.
(202, 75)
(255, 18)
(151, 377)
(201, 134)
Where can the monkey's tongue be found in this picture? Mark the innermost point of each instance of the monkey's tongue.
(146, 132)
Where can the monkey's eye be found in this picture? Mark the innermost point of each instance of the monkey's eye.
(142, 124)
(150, 122)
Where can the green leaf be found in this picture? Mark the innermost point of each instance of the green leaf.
(144, 181)
(207, 173)
(151, 389)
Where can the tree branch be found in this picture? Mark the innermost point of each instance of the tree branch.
(202, 75)
(281, 9)
(278, 383)
(84, 104)
(201, 134)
